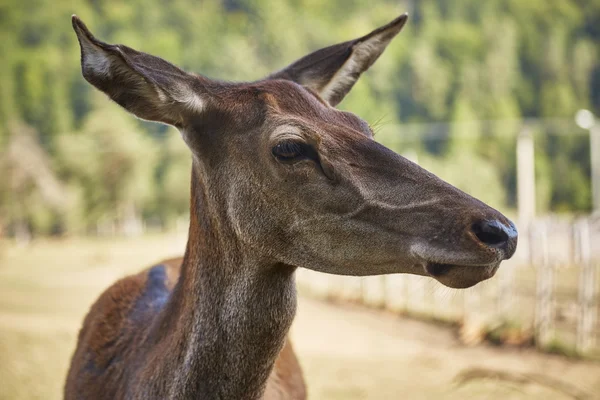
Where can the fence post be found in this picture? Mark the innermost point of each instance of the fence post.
(352, 290)
(472, 303)
(525, 182)
(373, 291)
(595, 164)
(545, 285)
(587, 308)
(415, 299)
(505, 289)
(396, 292)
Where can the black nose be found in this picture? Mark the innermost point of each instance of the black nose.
(497, 235)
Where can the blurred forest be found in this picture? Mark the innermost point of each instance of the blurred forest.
(73, 163)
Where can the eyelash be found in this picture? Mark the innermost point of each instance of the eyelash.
(293, 150)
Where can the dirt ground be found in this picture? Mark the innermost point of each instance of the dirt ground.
(354, 353)
(347, 352)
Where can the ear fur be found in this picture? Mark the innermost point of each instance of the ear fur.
(145, 85)
(333, 70)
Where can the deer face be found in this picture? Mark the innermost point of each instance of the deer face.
(302, 182)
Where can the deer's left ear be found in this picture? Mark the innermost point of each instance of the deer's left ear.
(332, 71)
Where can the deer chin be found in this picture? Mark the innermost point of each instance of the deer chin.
(460, 276)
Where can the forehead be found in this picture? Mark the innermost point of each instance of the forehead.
(289, 98)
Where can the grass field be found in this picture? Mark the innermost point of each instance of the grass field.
(347, 353)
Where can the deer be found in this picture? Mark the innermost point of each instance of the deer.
(281, 179)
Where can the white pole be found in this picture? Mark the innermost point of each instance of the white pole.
(586, 120)
(525, 188)
(544, 292)
(525, 177)
(595, 166)
(586, 320)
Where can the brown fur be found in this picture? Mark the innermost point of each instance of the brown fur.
(280, 180)
(103, 332)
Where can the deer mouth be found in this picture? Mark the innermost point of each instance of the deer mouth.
(460, 276)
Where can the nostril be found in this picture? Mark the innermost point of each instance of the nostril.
(491, 233)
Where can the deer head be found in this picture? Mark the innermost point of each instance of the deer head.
(299, 182)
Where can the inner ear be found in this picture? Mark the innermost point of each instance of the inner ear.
(332, 71)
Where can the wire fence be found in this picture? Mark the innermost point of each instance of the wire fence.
(548, 294)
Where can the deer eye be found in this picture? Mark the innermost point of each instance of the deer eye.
(291, 150)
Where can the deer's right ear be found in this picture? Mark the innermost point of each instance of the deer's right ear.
(147, 86)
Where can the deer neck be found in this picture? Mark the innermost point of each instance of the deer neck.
(230, 312)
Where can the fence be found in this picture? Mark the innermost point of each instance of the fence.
(548, 292)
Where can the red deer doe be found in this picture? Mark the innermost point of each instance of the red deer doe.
(280, 180)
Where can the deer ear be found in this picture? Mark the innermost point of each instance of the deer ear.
(147, 86)
(332, 71)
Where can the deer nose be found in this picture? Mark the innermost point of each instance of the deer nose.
(497, 235)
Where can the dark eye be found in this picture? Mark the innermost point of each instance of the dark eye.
(293, 151)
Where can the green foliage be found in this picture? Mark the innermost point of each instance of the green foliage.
(112, 164)
(484, 65)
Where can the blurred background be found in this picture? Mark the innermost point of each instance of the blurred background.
(500, 98)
